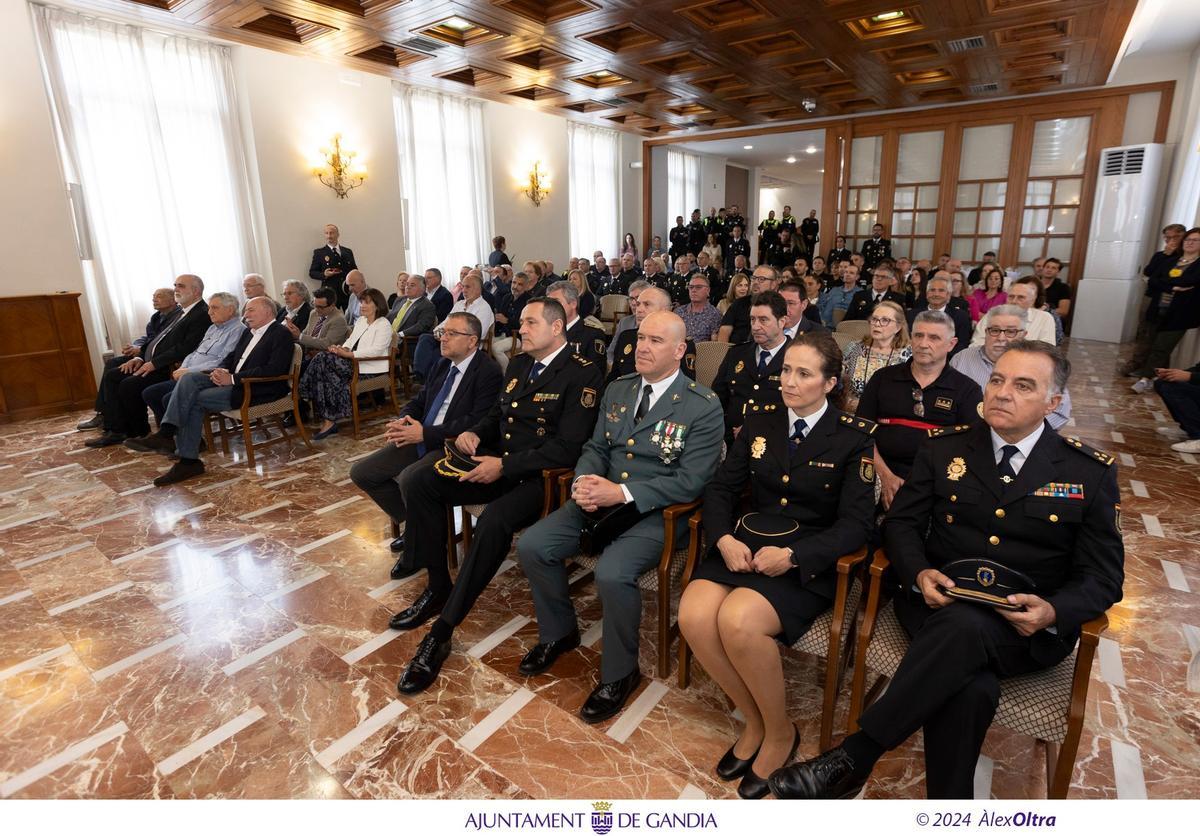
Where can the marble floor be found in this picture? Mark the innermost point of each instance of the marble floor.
(228, 638)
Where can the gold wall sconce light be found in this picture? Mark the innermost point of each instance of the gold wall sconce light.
(339, 171)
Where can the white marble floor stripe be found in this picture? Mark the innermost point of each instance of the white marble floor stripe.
(99, 486)
(1152, 525)
(504, 566)
(50, 470)
(286, 479)
(34, 561)
(984, 767)
(1175, 577)
(1189, 458)
(370, 646)
(238, 543)
(139, 657)
(1127, 770)
(1159, 417)
(35, 662)
(342, 504)
(67, 756)
(88, 599)
(380, 591)
(117, 466)
(1139, 488)
(499, 715)
(166, 544)
(132, 491)
(351, 739)
(192, 595)
(1118, 438)
(168, 520)
(359, 456)
(691, 792)
(1191, 634)
(64, 433)
(272, 647)
(324, 541)
(252, 514)
(1126, 460)
(305, 459)
(214, 486)
(15, 491)
(26, 520)
(636, 712)
(579, 574)
(343, 482)
(489, 642)
(77, 451)
(296, 584)
(16, 596)
(35, 450)
(108, 518)
(1109, 419)
(210, 741)
(592, 634)
(1112, 670)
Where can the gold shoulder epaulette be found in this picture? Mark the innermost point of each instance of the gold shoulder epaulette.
(1099, 455)
(863, 425)
(581, 360)
(938, 432)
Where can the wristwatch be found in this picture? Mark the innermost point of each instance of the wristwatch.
(792, 556)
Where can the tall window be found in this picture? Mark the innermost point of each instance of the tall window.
(862, 207)
(443, 174)
(1053, 190)
(914, 214)
(683, 185)
(595, 189)
(982, 189)
(152, 152)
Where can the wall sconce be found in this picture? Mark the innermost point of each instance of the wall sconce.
(539, 184)
(337, 173)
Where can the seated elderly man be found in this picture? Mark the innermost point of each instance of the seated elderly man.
(1012, 496)
(356, 285)
(1002, 325)
(165, 311)
(297, 303)
(412, 314)
(264, 350)
(219, 340)
(254, 286)
(326, 326)
(427, 352)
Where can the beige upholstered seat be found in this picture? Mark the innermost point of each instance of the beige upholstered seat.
(709, 356)
(855, 328)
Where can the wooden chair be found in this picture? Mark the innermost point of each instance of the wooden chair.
(380, 382)
(405, 348)
(248, 414)
(709, 356)
(856, 328)
(612, 308)
(1047, 705)
(830, 636)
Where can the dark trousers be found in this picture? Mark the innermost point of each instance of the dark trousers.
(123, 407)
(949, 684)
(1160, 351)
(157, 397)
(1183, 402)
(511, 506)
(110, 365)
(383, 473)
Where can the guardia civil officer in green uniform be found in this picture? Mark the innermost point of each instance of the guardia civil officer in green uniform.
(771, 573)
(656, 443)
(1037, 519)
(748, 378)
(582, 339)
(544, 414)
(624, 358)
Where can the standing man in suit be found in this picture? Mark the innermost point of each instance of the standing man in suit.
(413, 314)
(1012, 491)
(441, 298)
(265, 350)
(656, 444)
(462, 387)
(331, 263)
(122, 387)
(865, 301)
(541, 420)
(748, 378)
(938, 298)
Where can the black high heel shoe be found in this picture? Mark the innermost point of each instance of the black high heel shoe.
(753, 787)
(731, 766)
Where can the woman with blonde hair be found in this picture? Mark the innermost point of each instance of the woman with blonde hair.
(885, 344)
(739, 286)
(587, 300)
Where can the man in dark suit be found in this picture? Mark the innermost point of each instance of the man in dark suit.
(748, 378)
(938, 298)
(462, 387)
(265, 350)
(413, 314)
(799, 310)
(1014, 493)
(124, 410)
(541, 420)
(331, 263)
(441, 298)
(864, 301)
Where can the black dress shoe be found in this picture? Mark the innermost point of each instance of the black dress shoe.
(401, 570)
(731, 767)
(93, 423)
(543, 655)
(422, 609)
(154, 443)
(397, 545)
(828, 775)
(753, 787)
(182, 469)
(609, 698)
(424, 667)
(107, 439)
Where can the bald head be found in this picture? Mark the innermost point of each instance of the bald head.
(652, 299)
(356, 282)
(258, 311)
(661, 344)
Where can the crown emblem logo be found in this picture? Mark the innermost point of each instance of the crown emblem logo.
(601, 806)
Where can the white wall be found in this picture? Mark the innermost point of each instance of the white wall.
(1152, 68)
(800, 197)
(631, 191)
(660, 224)
(42, 256)
(712, 183)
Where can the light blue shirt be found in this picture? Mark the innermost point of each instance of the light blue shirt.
(218, 341)
(975, 364)
(353, 310)
(835, 299)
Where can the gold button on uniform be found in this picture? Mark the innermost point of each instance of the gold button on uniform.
(783, 501)
(507, 436)
(629, 455)
(1000, 513)
(994, 540)
(953, 497)
(1054, 518)
(949, 518)
(624, 475)
(510, 420)
(755, 387)
(514, 403)
(786, 478)
(629, 443)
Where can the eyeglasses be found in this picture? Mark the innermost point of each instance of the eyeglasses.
(439, 333)
(918, 402)
(1008, 332)
(881, 320)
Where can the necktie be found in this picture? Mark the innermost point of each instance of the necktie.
(400, 315)
(878, 296)
(1007, 474)
(435, 406)
(536, 370)
(643, 405)
(797, 434)
(319, 326)
(764, 357)
(150, 349)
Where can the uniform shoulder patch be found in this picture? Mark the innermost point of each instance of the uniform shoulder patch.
(939, 432)
(863, 425)
(581, 360)
(1104, 458)
(629, 376)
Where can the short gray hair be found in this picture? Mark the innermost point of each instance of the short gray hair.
(301, 287)
(568, 290)
(226, 299)
(256, 276)
(419, 278)
(472, 322)
(935, 317)
(1062, 366)
(640, 284)
(1007, 310)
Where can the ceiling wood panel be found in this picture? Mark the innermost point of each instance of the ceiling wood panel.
(686, 64)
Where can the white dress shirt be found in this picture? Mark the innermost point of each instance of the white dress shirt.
(256, 336)
(1024, 447)
(458, 378)
(771, 352)
(480, 308)
(657, 390)
(810, 420)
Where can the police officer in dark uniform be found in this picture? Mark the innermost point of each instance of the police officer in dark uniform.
(625, 357)
(909, 399)
(582, 339)
(737, 245)
(877, 248)
(627, 275)
(864, 302)
(810, 233)
(716, 284)
(544, 414)
(735, 218)
(748, 378)
(697, 234)
(784, 252)
(675, 283)
(678, 239)
(839, 252)
(788, 221)
(715, 224)
(1014, 496)
(331, 264)
(768, 234)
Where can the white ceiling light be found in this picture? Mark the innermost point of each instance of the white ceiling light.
(812, 149)
(747, 147)
(458, 23)
(791, 159)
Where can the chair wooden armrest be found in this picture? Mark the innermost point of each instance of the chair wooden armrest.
(695, 532)
(550, 477)
(671, 515)
(565, 477)
(246, 381)
(1060, 765)
(356, 361)
(879, 565)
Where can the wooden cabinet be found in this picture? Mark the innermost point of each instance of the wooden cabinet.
(44, 362)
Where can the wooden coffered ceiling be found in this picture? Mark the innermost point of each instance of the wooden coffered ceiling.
(656, 67)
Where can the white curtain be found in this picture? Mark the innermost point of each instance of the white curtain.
(152, 148)
(683, 185)
(444, 180)
(595, 189)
